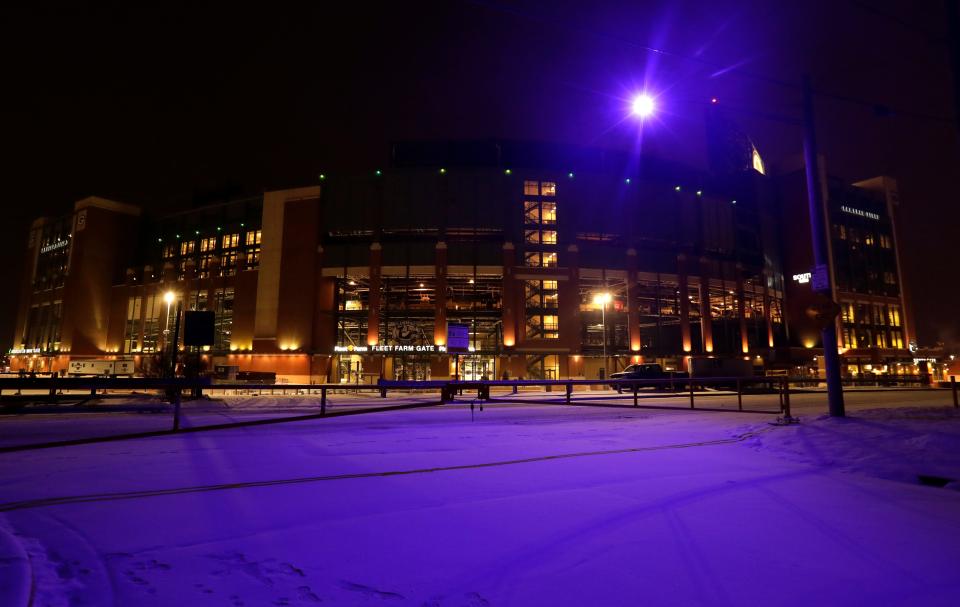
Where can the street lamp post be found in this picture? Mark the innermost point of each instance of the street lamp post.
(821, 256)
(603, 299)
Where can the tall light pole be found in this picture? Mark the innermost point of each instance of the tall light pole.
(603, 299)
(168, 298)
(821, 256)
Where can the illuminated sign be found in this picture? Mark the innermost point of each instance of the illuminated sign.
(53, 246)
(25, 350)
(803, 278)
(860, 213)
(390, 349)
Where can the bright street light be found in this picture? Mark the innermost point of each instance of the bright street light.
(168, 297)
(602, 299)
(643, 105)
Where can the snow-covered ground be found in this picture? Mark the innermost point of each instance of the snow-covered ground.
(514, 505)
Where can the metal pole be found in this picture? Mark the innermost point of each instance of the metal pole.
(603, 319)
(173, 369)
(953, 386)
(828, 335)
(691, 393)
(739, 397)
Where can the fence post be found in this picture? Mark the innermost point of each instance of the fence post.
(786, 398)
(323, 400)
(953, 386)
(176, 407)
(635, 402)
(739, 396)
(570, 392)
(691, 392)
(514, 388)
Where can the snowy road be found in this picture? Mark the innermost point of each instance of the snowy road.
(525, 505)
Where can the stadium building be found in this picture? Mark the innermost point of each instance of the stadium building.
(563, 262)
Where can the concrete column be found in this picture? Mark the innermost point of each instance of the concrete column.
(684, 303)
(741, 312)
(569, 300)
(373, 314)
(706, 320)
(633, 311)
(440, 309)
(508, 310)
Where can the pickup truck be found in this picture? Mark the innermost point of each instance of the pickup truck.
(640, 372)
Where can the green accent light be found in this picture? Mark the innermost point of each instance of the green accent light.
(159, 240)
(322, 176)
(218, 228)
(443, 171)
(178, 236)
(507, 172)
(378, 172)
(197, 232)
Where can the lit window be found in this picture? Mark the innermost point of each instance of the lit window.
(549, 213)
(531, 211)
(531, 188)
(169, 251)
(187, 247)
(551, 323)
(548, 188)
(253, 237)
(532, 236)
(253, 258)
(549, 260)
(549, 237)
(208, 244)
(550, 285)
(230, 241)
(531, 259)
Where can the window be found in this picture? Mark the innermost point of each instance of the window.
(187, 247)
(253, 237)
(886, 242)
(531, 188)
(228, 263)
(169, 251)
(894, 312)
(223, 318)
(889, 279)
(131, 331)
(208, 244)
(253, 258)
(205, 264)
(548, 188)
(549, 237)
(231, 241)
(548, 212)
(868, 239)
(531, 211)
(151, 322)
(896, 340)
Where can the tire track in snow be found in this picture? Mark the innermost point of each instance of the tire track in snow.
(128, 495)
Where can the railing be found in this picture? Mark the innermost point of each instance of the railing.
(448, 390)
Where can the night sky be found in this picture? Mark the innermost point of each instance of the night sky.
(170, 105)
